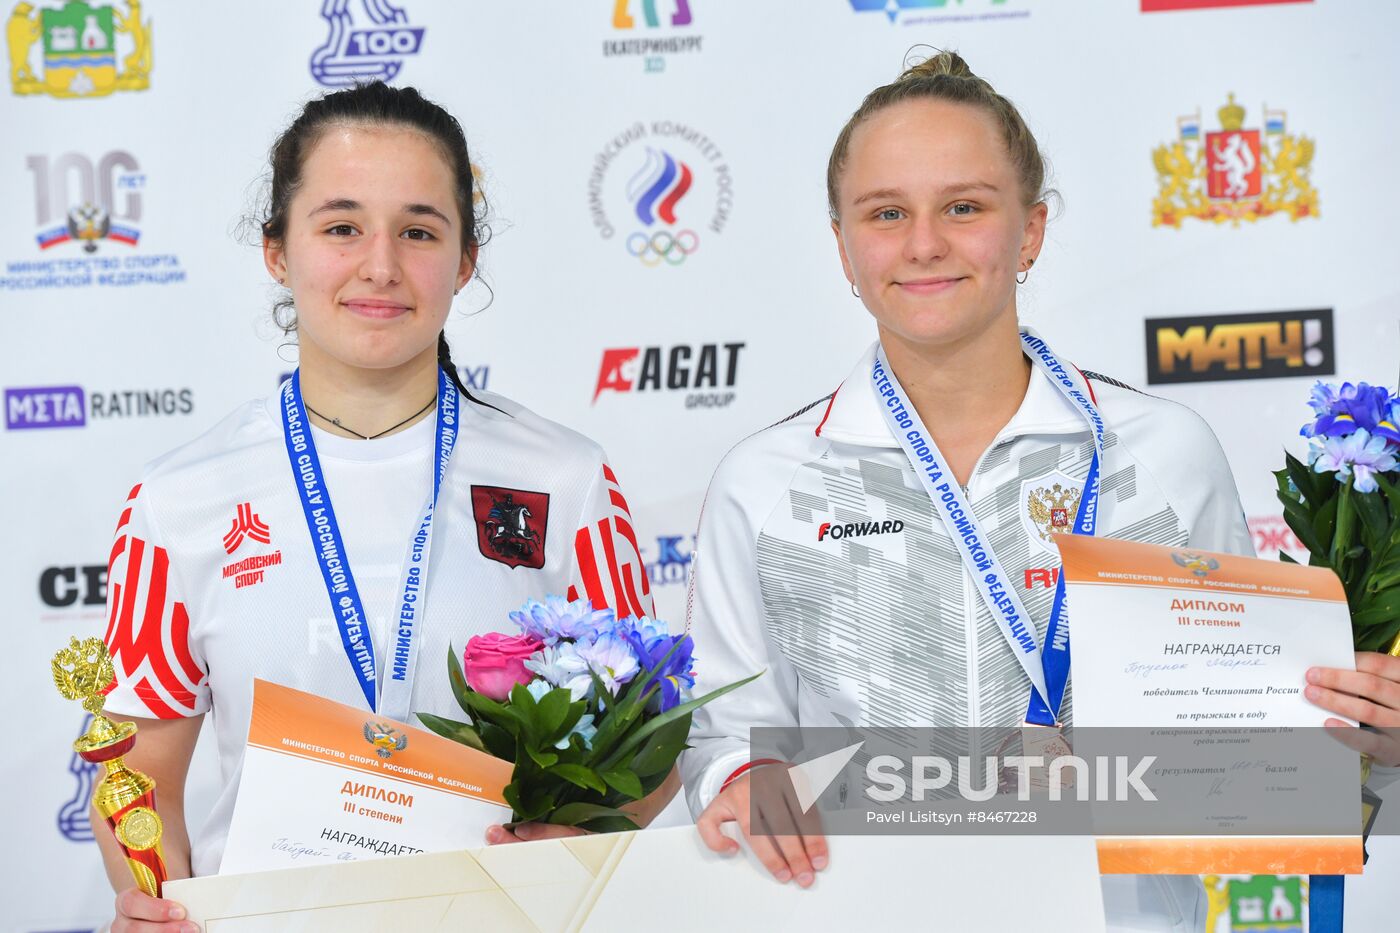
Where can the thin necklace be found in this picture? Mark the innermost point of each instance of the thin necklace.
(370, 437)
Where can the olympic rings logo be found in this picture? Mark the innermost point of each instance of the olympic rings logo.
(662, 246)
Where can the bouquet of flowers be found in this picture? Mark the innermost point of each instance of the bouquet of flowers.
(1344, 506)
(592, 709)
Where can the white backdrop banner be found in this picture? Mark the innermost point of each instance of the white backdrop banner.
(662, 276)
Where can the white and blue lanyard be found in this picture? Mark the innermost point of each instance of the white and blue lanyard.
(1048, 669)
(326, 541)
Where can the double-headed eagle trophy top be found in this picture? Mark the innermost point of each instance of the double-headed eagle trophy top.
(125, 798)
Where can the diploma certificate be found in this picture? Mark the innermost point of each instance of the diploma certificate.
(324, 782)
(1204, 655)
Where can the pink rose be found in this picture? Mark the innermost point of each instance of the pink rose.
(494, 663)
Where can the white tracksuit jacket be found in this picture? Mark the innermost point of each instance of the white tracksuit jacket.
(884, 628)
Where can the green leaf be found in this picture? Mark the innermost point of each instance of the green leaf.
(1375, 519)
(1300, 522)
(615, 720)
(553, 707)
(1382, 639)
(600, 690)
(572, 715)
(460, 732)
(625, 782)
(460, 690)
(527, 804)
(1284, 556)
(1382, 580)
(524, 704)
(545, 759)
(1391, 491)
(1344, 538)
(1304, 478)
(498, 741)
(629, 706)
(1285, 491)
(485, 708)
(661, 750)
(671, 715)
(1378, 610)
(609, 824)
(578, 774)
(1324, 522)
(572, 814)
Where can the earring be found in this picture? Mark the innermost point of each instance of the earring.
(1025, 273)
(853, 290)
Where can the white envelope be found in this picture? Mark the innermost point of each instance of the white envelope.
(667, 879)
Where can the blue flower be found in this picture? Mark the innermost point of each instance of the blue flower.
(585, 728)
(1323, 397)
(557, 618)
(1358, 454)
(561, 666)
(647, 628)
(675, 677)
(611, 658)
(1389, 426)
(1352, 407)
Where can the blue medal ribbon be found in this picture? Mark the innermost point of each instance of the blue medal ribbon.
(1047, 668)
(328, 544)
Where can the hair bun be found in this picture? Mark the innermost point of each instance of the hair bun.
(939, 63)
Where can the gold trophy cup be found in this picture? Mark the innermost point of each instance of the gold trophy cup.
(125, 798)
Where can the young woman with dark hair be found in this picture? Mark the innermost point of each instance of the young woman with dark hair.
(275, 545)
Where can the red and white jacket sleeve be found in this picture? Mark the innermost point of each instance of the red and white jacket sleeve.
(607, 563)
(158, 674)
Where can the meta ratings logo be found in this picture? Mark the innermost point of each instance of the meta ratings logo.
(654, 30)
(682, 368)
(1236, 173)
(366, 40)
(662, 184)
(71, 407)
(915, 12)
(78, 49)
(1240, 346)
